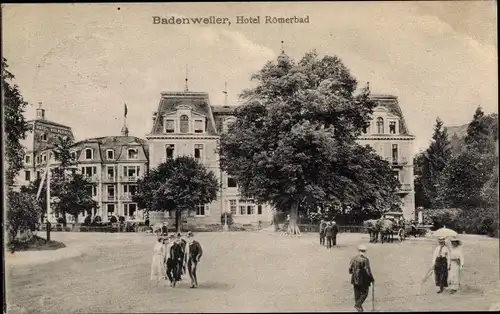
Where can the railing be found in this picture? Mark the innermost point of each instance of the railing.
(126, 197)
(129, 178)
(109, 179)
(93, 178)
(405, 187)
(111, 197)
(342, 229)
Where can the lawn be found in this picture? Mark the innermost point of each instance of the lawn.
(244, 272)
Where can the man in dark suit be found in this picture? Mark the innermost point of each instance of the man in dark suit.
(361, 277)
(329, 235)
(335, 230)
(194, 255)
(322, 225)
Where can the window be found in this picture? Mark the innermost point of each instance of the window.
(27, 159)
(91, 190)
(38, 175)
(392, 127)
(89, 153)
(184, 124)
(365, 128)
(198, 126)
(129, 209)
(89, 171)
(129, 189)
(242, 210)
(202, 210)
(250, 209)
(110, 154)
(131, 172)
(27, 175)
(43, 136)
(170, 148)
(111, 209)
(198, 151)
(231, 182)
(111, 192)
(38, 159)
(132, 153)
(170, 126)
(232, 206)
(380, 125)
(259, 209)
(394, 153)
(44, 158)
(110, 172)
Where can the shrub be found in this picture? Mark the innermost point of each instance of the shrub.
(229, 218)
(445, 217)
(121, 219)
(113, 219)
(87, 221)
(97, 219)
(61, 220)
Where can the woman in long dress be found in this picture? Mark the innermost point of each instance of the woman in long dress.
(457, 263)
(157, 265)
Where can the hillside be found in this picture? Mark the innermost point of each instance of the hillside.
(456, 134)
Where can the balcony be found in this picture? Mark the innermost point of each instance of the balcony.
(128, 178)
(109, 179)
(93, 178)
(126, 197)
(397, 161)
(405, 188)
(111, 198)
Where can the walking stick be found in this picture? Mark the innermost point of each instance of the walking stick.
(373, 297)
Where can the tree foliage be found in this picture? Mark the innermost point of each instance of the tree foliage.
(14, 123)
(23, 213)
(430, 164)
(293, 142)
(178, 185)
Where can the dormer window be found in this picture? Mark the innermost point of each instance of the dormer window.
(43, 136)
(392, 127)
(184, 124)
(169, 126)
(380, 125)
(44, 157)
(199, 127)
(110, 154)
(132, 153)
(89, 153)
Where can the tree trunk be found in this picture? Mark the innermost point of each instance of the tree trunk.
(293, 228)
(178, 220)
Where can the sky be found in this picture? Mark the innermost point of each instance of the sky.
(84, 61)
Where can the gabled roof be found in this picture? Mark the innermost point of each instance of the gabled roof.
(391, 103)
(170, 101)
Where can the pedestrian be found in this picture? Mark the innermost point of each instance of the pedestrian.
(335, 231)
(441, 263)
(361, 277)
(329, 235)
(322, 226)
(169, 260)
(157, 265)
(457, 263)
(194, 255)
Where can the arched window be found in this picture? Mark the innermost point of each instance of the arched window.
(184, 125)
(380, 125)
(89, 154)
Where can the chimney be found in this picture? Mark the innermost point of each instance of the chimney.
(40, 112)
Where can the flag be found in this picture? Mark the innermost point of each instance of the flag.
(125, 111)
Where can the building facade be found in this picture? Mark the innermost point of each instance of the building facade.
(389, 136)
(185, 123)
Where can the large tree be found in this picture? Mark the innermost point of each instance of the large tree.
(430, 165)
(293, 142)
(23, 213)
(69, 188)
(178, 185)
(479, 132)
(15, 126)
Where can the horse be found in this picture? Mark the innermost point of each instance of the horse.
(371, 226)
(386, 228)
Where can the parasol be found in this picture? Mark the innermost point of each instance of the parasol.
(445, 233)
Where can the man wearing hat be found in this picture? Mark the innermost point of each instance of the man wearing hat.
(194, 254)
(441, 263)
(329, 235)
(361, 277)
